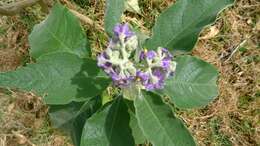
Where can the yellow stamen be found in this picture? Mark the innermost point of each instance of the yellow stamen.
(145, 50)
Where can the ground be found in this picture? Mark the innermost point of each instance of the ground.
(231, 44)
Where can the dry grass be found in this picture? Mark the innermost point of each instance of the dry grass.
(231, 44)
(234, 117)
(24, 122)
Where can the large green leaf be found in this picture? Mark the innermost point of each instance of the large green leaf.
(179, 26)
(110, 127)
(61, 77)
(194, 83)
(159, 124)
(114, 10)
(59, 32)
(72, 117)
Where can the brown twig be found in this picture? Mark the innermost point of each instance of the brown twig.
(87, 20)
(14, 8)
(83, 18)
(237, 48)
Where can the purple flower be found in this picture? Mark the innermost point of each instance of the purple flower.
(151, 71)
(164, 50)
(123, 29)
(102, 60)
(151, 54)
(166, 63)
(158, 66)
(151, 81)
(142, 55)
(143, 76)
(147, 54)
(159, 73)
(122, 82)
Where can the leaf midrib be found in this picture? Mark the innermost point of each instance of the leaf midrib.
(157, 119)
(57, 39)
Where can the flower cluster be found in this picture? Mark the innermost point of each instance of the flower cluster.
(156, 67)
(150, 71)
(115, 60)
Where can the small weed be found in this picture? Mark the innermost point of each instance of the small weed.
(31, 16)
(25, 59)
(29, 20)
(243, 127)
(2, 30)
(82, 3)
(253, 58)
(42, 134)
(242, 49)
(244, 101)
(219, 138)
(3, 45)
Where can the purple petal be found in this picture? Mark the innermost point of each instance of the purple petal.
(123, 29)
(166, 63)
(104, 55)
(108, 64)
(143, 76)
(149, 87)
(158, 73)
(142, 55)
(151, 54)
(167, 53)
(164, 50)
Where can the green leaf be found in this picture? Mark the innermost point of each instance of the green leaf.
(136, 130)
(114, 10)
(106, 98)
(159, 124)
(178, 27)
(62, 116)
(72, 117)
(109, 127)
(61, 77)
(59, 32)
(194, 83)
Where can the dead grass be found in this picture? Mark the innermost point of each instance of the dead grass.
(231, 44)
(233, 118)
(24, 122)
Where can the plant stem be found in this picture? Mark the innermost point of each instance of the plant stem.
(14, 8)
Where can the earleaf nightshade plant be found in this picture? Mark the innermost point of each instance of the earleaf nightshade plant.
(143, 70)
